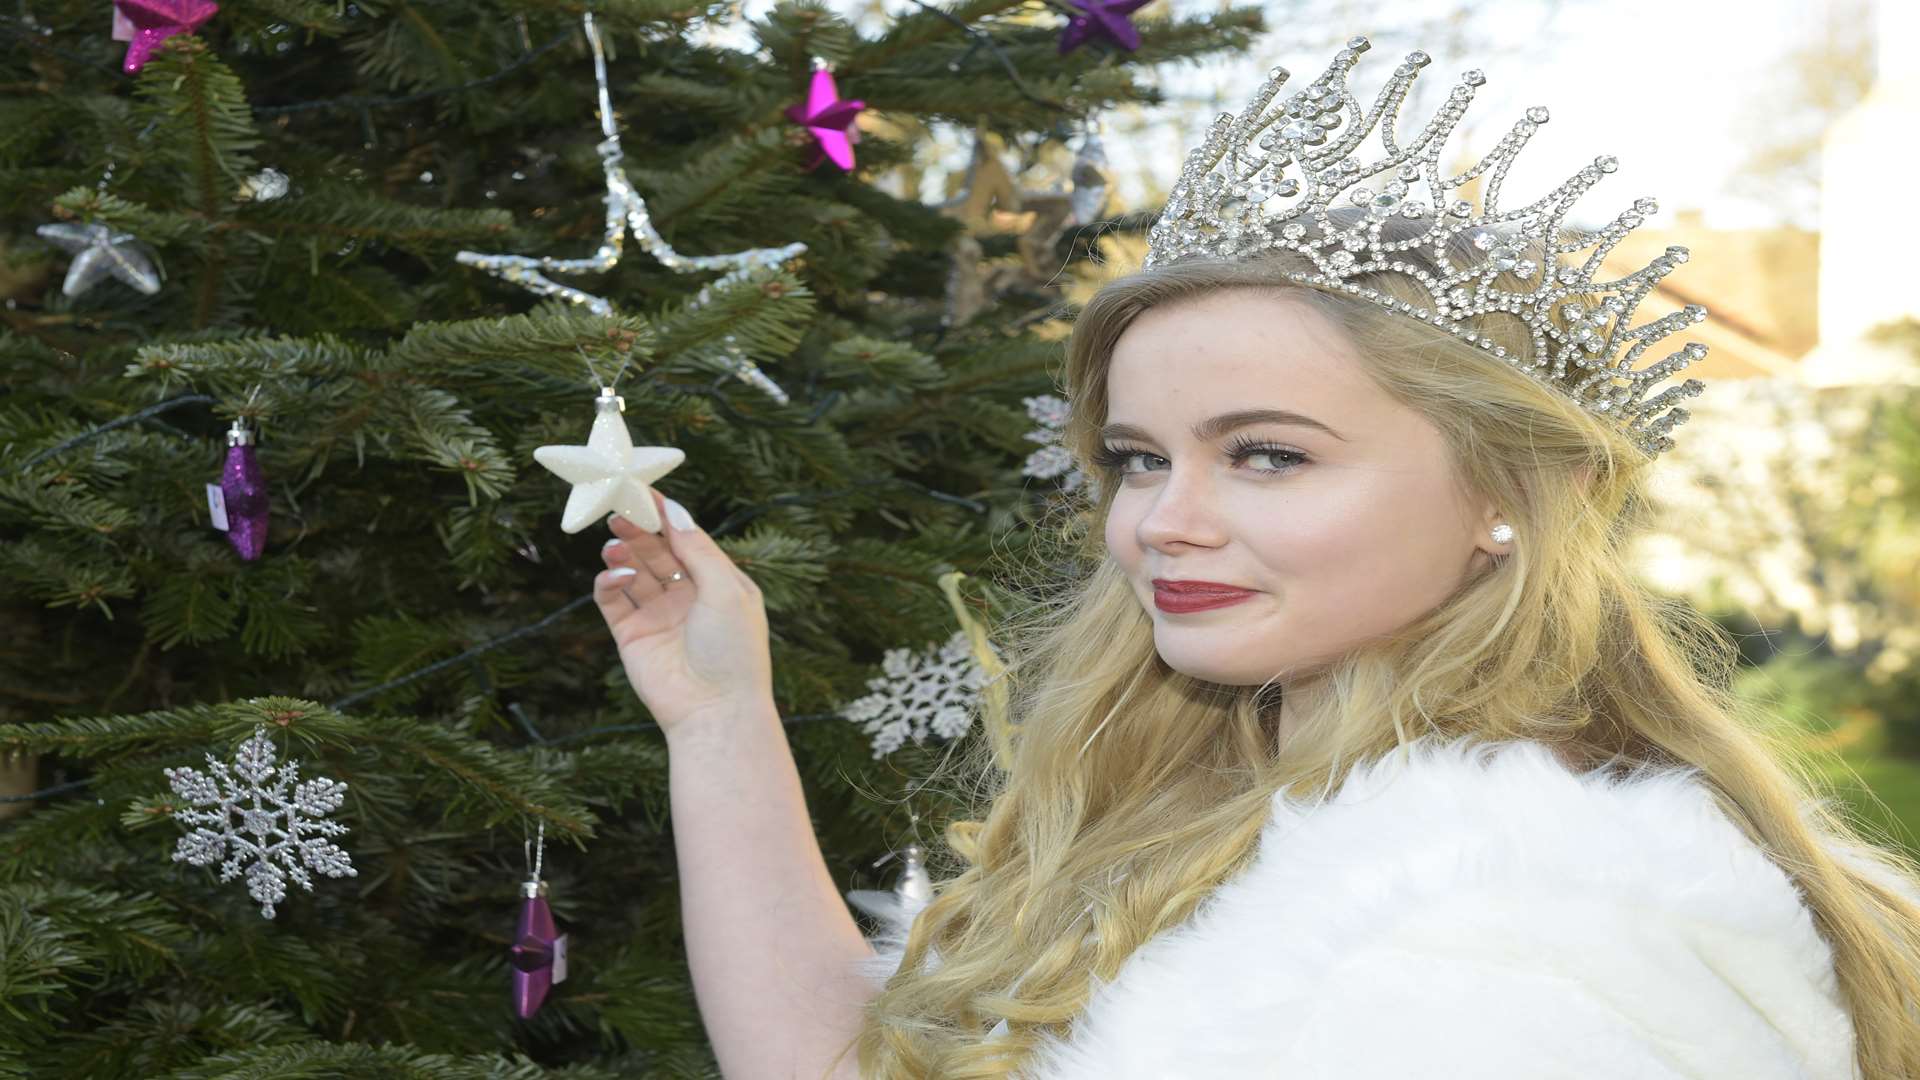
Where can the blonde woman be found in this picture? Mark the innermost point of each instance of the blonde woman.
(1356, 751)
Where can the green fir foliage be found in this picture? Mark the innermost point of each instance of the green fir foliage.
(419, 627)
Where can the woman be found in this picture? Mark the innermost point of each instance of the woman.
(1435, 788)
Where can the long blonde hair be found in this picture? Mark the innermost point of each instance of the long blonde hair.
(1124, 833)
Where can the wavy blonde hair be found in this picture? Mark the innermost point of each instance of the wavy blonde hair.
(1125, 833)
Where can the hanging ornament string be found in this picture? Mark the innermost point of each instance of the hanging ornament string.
(603, 387)
(539, 953)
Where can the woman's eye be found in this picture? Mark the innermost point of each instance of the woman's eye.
(1119, 457)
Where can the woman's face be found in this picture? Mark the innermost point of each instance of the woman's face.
(1345, 521)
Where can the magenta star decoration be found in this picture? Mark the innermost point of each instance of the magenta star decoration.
(154, 21)
(1103, 18)
(830, 120)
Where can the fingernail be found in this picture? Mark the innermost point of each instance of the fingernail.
(625, 571)
(611, 543)
(679, 516)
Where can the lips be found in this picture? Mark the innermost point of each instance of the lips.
(1196, 588)
(1185, 596)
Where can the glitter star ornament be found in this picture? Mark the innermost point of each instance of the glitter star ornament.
(626, 210)
(1106, 19)
(610, 474)
(264, 820)
(147, 23)
(99, 252)
(829, 119)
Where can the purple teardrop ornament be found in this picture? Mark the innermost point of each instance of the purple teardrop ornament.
(245, 492)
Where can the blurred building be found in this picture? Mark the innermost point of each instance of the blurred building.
(1787, 302)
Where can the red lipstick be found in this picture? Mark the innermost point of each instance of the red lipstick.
(1183, 596)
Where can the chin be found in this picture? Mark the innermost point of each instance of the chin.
(1210, 670)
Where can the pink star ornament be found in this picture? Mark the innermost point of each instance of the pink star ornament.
(1103, 18)
(831, 121)
(144, 24)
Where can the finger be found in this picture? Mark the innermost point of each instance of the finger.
(647, 551)
(619, 594)
(709, 567)
(616, 553)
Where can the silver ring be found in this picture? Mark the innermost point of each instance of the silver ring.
(677, 575)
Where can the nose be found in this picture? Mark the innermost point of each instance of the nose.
(1182, 512)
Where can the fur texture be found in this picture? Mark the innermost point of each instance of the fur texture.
(1476, 911)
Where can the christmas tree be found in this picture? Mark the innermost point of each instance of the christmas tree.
(295, 290)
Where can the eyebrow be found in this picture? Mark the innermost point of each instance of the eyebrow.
(1214, 427)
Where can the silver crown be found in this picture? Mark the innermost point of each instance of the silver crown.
(1222, 213)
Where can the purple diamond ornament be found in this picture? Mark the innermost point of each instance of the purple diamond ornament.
(539, 953)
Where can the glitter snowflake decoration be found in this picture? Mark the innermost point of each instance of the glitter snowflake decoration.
(933, 693)
(256, 827)
(1052, 459)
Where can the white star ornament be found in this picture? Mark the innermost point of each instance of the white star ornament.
(610, 474)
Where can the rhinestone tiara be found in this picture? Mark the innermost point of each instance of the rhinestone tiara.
(1219, 209)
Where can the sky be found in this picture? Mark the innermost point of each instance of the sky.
(1666, 86)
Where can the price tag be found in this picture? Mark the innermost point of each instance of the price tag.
(560, 959)
(217, 506)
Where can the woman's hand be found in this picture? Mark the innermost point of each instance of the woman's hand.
(695, 649)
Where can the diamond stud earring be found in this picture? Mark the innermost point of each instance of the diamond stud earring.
(1502, 533)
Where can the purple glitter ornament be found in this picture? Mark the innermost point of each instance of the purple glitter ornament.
(147, 23)
(1103, 19)
(539, 953)
(829, 118)
(243, 492)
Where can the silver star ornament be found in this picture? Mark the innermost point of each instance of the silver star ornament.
(99, 252)
(610, 474)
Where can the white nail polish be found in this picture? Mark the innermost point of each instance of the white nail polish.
(623, 572)
(678, 515)
(610, 543)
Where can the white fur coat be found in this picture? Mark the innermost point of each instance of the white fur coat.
(1476, 912)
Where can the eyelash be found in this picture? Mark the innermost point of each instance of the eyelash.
(1115, 457)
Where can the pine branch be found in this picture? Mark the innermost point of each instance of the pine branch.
(330, 212)
(325, 1061)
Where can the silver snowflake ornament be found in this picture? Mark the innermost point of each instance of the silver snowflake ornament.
(1052, 459)
(266, 821)
(934, 693)
(99, 252)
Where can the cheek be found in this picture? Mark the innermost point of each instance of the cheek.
(1370, 553)
(1119, 535)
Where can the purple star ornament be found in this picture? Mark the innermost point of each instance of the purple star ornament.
(1103, 18)
(830, 119)
(539, 953)
(154, 21)
(238, 503)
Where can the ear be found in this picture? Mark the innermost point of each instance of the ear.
(1489, 517)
